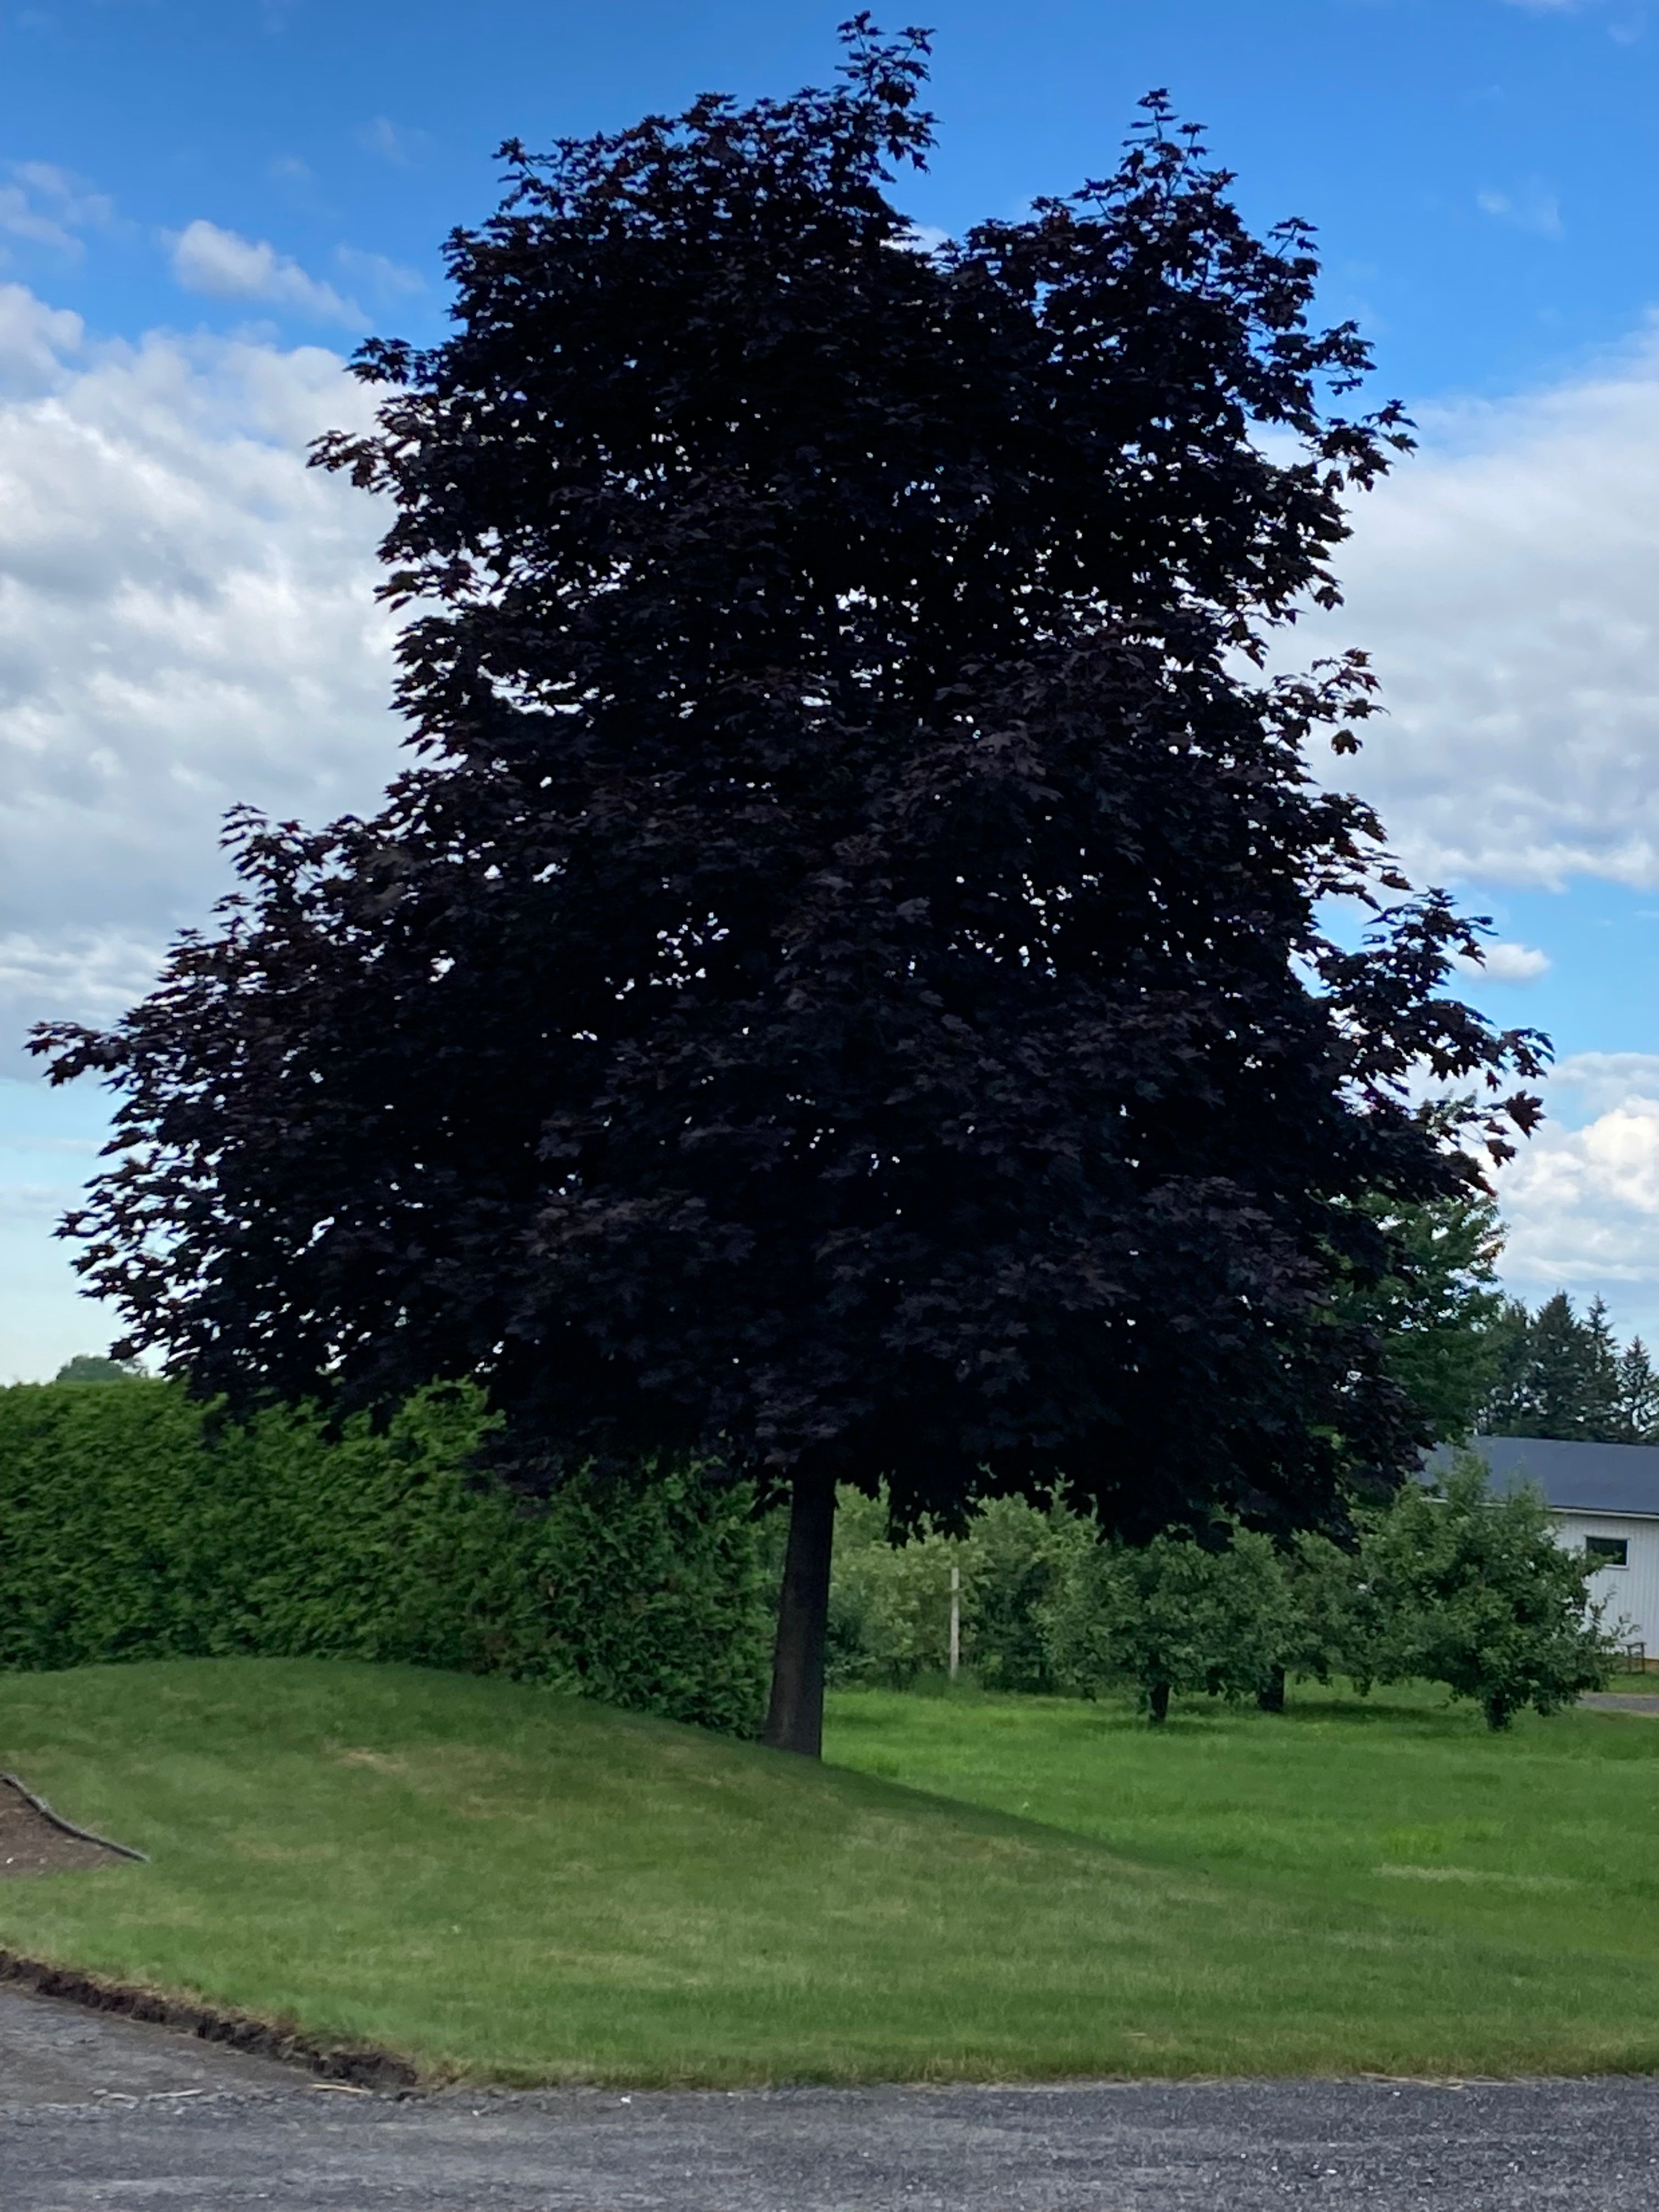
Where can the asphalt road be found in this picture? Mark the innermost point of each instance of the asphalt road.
(97, 2112)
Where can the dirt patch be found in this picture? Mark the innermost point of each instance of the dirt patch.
(33, 1841)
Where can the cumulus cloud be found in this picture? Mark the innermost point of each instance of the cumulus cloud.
(1505, 962)
(1503, 580)
(225, 265)
(186, 620)
(1582, 1197)
(35, 341)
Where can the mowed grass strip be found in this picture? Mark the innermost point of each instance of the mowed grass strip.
(502, 1884)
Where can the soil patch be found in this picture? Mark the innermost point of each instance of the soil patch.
(33, 1841)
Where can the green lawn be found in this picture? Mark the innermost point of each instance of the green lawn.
(1544, 1840)
(501, 1883)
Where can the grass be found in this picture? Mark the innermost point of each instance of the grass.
(1544, 1841)
(502, 1884)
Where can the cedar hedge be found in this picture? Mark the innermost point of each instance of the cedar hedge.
(134, 1524)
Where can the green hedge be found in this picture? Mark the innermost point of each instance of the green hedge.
(134, 1525)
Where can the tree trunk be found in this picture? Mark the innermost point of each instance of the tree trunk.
(1271, 1696)
(1158, 1704)
(794, 1718)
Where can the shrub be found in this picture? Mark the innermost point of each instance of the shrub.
(133, 1525)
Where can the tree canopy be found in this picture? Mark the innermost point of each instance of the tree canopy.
(1434, 1305)
(841, 988)
(94, 1367)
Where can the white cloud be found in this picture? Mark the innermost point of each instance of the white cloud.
(1502, 579)
(227, 266)
(186, 620)
(45, 205)
(1582, 1197)
(1531, 206)
(34, 339)
(393, 142)
(1507, 963)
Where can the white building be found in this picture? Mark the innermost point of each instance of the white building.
(1605, 1500)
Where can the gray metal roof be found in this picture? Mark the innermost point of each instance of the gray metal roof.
(1576, 1478)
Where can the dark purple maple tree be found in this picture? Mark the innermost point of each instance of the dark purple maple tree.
(839, 989)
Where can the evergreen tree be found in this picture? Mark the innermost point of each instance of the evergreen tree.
(1509, 1350)
(1560, 1371)
(1603, 1416)
(1637, 1395)
(1560, 1376)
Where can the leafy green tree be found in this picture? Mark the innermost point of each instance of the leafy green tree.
(1014, 1554)
(889, 1598)
(1168, 1615)
(840, 985)
(93, 1367)
(1476, 1593)
(1436, 1306)
(1334, 1622)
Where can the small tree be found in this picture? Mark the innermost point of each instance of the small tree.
(1477, 1594)
(1334, 1618)
(1172, 1614)
(1014, 1555)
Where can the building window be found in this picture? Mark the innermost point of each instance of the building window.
(1607, 1551)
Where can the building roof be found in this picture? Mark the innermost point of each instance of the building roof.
(1577, 1478)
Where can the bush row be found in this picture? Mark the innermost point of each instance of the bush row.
(1461, 1588)
(134, 1525)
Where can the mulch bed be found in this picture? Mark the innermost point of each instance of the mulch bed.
(32, 1844)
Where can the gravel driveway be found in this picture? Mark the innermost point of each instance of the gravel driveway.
(99, 2112)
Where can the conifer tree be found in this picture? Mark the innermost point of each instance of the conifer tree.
(1637, 1395)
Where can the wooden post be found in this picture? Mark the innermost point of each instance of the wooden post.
(955, 1619)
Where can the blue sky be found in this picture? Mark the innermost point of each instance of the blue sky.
(203, 207)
